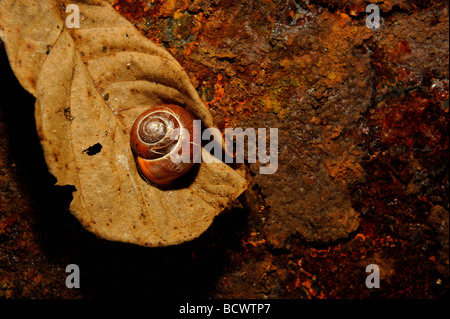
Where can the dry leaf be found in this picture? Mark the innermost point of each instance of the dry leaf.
(90, 85)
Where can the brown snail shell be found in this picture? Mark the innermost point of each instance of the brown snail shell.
(152, 145)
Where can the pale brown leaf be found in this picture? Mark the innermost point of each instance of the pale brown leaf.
(90, 85)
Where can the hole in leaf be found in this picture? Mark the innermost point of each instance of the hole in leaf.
(94, 149)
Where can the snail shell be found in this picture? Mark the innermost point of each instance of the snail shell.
(152, 144)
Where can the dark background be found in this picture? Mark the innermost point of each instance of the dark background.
(363, 176)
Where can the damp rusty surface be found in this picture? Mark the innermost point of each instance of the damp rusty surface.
(363, 160)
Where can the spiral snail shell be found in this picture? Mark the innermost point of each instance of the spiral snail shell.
(155, 135)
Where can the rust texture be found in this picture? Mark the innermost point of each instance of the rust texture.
(363, 159)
